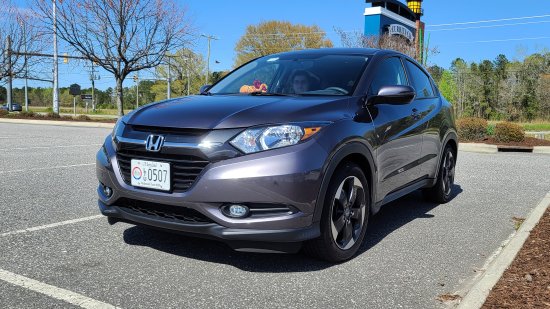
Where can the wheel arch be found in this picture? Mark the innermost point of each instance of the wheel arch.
(353, 151)
(450, 139)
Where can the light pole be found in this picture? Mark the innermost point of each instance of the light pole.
(209, 38)
(24, 28)
(55, 67)
(169, 86)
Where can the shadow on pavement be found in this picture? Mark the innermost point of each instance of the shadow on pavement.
(398, 213)
(390, 218)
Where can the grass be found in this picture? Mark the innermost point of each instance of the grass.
(536, 126)
(530, 126)
(79, 110)
(517, 222)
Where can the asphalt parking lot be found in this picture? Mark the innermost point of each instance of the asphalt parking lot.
(52, 239)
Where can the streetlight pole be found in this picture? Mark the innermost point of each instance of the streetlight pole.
(169, 86)
(9, 84)
(209, 38)
(24, 28)
(55, 66)
(136, 78)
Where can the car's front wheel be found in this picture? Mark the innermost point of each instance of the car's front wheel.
(345, 216)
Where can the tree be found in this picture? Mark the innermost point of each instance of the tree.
(384, 41)
(120, 36)
(436, 72)
(18, 25)
(278, 36)
(187, 68)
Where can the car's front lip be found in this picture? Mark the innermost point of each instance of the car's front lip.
(286, 176)
(214, 230)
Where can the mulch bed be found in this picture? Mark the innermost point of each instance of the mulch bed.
(528, 142)
(526, 283)
(60, 118)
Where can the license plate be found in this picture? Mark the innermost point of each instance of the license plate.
(150, 174)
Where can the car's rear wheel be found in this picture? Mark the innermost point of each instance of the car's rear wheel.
(345, 216)
(442, 191)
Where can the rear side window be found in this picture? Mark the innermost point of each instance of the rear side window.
(420, 81)
(389, 73)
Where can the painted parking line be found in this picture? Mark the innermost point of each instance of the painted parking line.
(52, 291)
(50, 147)
(46, 168)
(48, 226)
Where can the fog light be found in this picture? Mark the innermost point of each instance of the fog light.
(236, 211)
(107, 191)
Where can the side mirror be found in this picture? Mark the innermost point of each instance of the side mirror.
(204, 89)
(396, 95)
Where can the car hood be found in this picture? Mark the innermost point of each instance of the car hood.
(236, 111)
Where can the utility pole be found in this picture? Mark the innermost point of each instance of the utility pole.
(169, 88)
(209, 38)
(55, 66)
(24, 27)
(93, 78)
(136, 79)
(188, 80)
(9, 88)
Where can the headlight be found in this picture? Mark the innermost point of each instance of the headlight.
(119, 128)
(265, 138)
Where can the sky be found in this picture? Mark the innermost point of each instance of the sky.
(227, 21)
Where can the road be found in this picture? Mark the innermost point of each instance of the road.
(415, 251)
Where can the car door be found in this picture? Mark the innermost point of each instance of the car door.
(426, 103)
(397, 130)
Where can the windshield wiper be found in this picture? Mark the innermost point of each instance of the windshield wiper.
(268, 94)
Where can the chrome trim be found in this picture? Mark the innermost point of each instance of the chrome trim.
(168, 144)
(154, 143)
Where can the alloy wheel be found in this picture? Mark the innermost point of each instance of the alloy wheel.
(448, 170)
(348, 212)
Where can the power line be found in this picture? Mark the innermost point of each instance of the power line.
(501, 40)
(489, 21)
(493, 26)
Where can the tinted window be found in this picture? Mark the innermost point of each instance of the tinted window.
(420, 81)
(295, 74)
(389, 73)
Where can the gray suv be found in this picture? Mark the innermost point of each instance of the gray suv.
(292, 150)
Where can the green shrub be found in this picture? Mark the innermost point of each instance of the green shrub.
(491, 129)
(26, 114)
(509, 132)
(53, 115)
(3, 112)
(471, 128)
(82, 118)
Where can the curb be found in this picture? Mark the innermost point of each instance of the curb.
(541, 149)
(476, 296)
(59, 123)
(477, 147)
(487, 148)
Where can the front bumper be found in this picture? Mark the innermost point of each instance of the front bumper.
(288, 176)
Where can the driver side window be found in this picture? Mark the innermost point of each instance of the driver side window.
(389, 73)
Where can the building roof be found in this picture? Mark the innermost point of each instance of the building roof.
(395, 6)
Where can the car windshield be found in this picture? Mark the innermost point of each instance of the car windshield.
(295, 75)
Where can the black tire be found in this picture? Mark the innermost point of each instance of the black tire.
(342, 215)
(442, 191)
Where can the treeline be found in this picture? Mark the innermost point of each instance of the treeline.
(149, 91)
(499, 89)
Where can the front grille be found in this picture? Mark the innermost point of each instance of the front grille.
(184, 168)
(168, 130)
(174, 213)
